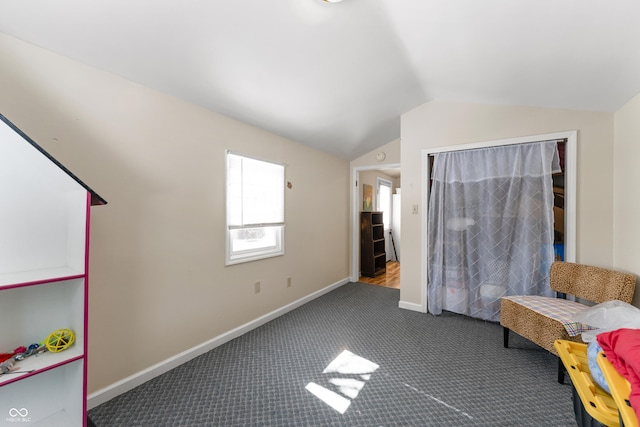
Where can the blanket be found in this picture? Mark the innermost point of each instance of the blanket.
(622, 348)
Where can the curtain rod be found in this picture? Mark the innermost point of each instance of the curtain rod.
(561, 140)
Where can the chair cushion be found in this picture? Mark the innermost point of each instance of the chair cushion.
(561, 310)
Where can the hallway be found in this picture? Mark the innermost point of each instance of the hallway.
(390, 279)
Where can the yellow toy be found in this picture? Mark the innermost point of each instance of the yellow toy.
(60, 340)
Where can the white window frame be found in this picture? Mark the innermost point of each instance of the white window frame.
(386, 183)
(240, 256)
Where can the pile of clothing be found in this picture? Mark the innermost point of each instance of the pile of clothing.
(622, 348)
(617, 334)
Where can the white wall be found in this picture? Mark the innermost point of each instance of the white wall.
(626, 195)
(158, 283)
(391, 151)
(438, 124)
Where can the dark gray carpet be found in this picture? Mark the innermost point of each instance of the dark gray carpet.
(448, 370)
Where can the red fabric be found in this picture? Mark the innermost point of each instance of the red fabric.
(622, 348)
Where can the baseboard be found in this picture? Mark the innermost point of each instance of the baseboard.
(139, 378)
(411, 306)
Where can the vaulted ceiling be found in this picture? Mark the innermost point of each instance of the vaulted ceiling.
(337, 76)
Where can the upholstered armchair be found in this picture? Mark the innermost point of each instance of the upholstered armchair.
(543, 320)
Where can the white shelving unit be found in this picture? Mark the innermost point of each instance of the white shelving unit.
(44, 229)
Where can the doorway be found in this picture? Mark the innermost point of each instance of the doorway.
(369, 175)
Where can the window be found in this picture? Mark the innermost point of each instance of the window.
(384, 201)
(385, 206)
(255, 209)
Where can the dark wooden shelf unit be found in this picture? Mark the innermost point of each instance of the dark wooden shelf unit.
(373, 257)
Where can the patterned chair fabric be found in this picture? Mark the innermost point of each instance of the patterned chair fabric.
(543, 320)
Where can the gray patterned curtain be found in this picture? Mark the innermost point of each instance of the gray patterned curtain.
(490, 227)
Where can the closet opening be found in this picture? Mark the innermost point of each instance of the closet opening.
(560, 180)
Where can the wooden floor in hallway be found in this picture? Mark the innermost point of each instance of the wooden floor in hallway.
(390, 279)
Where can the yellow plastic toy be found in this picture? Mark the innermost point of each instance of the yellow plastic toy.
(60, 340)
(620, 390)
(594, 401)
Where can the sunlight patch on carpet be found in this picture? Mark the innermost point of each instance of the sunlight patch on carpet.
(348, 375)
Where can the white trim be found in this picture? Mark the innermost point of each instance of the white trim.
(426, 174)
(500, 142)
(355, 226)
(411, 306)
(571, 160)
(570, 197)
(105, 394)
(240, 257)
(355, 209)
(249, 156)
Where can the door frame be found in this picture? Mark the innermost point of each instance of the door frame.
(355, 215)
(571, 176)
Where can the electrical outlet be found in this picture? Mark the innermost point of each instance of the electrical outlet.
(288, 282)
(257, 287)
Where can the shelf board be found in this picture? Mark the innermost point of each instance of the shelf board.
(32, 277)
(58, 419)
(36, 364)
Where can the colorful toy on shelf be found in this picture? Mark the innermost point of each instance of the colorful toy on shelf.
(31, 350)
(56, 342)
(5, 356)
(8, 365)
(60, 340)
(8, 360)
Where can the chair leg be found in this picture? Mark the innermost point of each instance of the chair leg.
(505, 337)
(560, 371)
